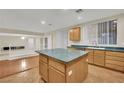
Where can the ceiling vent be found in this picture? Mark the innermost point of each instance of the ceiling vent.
(79, 11)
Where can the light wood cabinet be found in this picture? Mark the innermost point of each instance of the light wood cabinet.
(43, 71)
(99, 57)
(56, 71)
(43, 67)
(77, 73)
(71, 35)
(115, 60)
(90, 55)
(109, 59)
(56, 76)
(74, 34)
(43, 58)
(56, 64)
(99, 60)
(116, 54)
(115, 67)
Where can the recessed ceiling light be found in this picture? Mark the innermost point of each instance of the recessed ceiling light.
(43, 22)
(79, 17)
(115, 21)
(22, 38)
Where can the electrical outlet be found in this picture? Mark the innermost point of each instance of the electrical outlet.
(87, 60)
(70, 73)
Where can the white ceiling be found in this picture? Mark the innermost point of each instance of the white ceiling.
(30, 19)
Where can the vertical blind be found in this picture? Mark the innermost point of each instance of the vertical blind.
(107, 32)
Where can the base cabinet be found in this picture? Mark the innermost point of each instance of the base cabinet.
(105, 58)
(56, 76)
(43, 71)
(115, 60)
(99, 60)
(56, 71)
(90, 55)
(77, 73)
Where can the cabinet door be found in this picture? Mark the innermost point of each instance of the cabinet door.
(77, 72)
(43, 71)
(76, 32)
(99, 60)
(71, 35)
(56, 76)
(90, 58)
(90, 55)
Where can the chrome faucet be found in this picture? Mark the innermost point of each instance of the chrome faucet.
(95, 43)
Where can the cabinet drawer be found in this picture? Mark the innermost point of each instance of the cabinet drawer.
(99, 60)
(118, 54)
(43, 58)
(115, 58)
(56, 76)
(90, 53)
(116, 67)
(56, 64)
(119, 63)
(43, 69)
(99, 52)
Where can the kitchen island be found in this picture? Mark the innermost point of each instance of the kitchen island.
(63, 65)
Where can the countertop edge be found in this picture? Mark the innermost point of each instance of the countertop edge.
(66, 62)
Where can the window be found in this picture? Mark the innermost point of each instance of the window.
(46, 42)
(107, 32)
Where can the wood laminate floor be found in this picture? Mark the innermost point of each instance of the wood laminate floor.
(10, 67)
(30, 73)
(103, 75)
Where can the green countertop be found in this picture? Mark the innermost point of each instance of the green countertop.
(64, 55)
(114, 49)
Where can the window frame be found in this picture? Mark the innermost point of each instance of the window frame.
(108, 32)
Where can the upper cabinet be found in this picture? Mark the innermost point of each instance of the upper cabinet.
(74, 34)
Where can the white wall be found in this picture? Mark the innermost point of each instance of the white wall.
(11, 40)
(120, 31)
(38, 42)
(60, 39)
(49, 37)
(6, 41)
